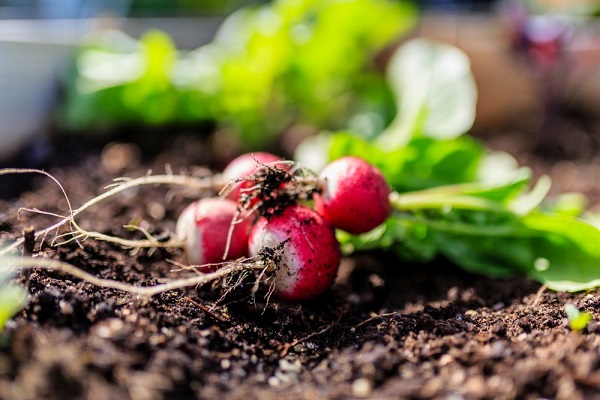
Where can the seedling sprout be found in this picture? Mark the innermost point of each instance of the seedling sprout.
(578, 320)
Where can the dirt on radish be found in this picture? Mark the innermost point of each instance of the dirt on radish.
(385, 329)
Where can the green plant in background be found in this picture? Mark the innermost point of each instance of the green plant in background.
(121, 81)
(268, 67)
(182, 8)
(12, 298)
(578, 320)
(306, 60)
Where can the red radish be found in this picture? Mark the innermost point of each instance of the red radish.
(310, 253)
(204, 225)
(355, 195)
(244, 166)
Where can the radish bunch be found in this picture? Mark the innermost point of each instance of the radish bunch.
(261, 217)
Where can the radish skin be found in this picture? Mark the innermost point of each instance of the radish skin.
(354, 195)
(204, 227)
(310, 253)
(243, 167)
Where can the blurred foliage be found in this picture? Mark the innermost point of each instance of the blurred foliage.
(435, 92)
(578, 320)
(185, 7)
(562, 7)
(12, 298)
(269, 67)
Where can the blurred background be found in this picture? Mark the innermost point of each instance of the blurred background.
(100, 68)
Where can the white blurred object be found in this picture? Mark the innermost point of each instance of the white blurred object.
(32, 54)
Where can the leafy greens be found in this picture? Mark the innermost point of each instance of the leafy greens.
(12, 298)
(451, 197)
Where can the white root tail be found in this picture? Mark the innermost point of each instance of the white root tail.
(201, 184)
(149, 291)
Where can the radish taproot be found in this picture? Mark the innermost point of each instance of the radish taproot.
(205, 227)
(243, 167)
(354, 195)
(306, 252)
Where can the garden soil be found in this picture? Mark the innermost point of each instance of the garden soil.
(386, 330)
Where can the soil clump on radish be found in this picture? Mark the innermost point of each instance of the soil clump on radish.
(385, 329)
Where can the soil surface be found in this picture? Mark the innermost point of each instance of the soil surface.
(386, 330)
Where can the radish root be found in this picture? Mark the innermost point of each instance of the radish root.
(199, 184)
(227, 269)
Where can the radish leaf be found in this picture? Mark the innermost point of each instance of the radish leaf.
(435, 92)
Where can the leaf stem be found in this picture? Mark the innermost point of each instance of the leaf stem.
(504, 230)
(422, 200)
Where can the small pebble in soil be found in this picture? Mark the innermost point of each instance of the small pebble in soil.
(445, 360)
(116, 157)
(273, 381)
(225, 364)
(108, 328)
(65, 307)
(362, 387)
(287, 372)
(156, 210)
(455, 396)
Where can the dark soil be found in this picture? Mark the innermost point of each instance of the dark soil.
(386, 330)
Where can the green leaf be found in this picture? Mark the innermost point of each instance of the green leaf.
(12, 299)
(346, 144)
(435, 92)
(577, 231)
(569, 250)
(101, 69)
(429, 162)
(414, 237)
(152, 96)
(559, 251)
(496, 257)
(569, 204)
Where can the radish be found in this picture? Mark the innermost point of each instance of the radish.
(354, 195)
(204, 227)
(304, 249)
(244, 166)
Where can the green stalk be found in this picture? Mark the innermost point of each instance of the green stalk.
(422, 200)
(460, 228)
(406, 204)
